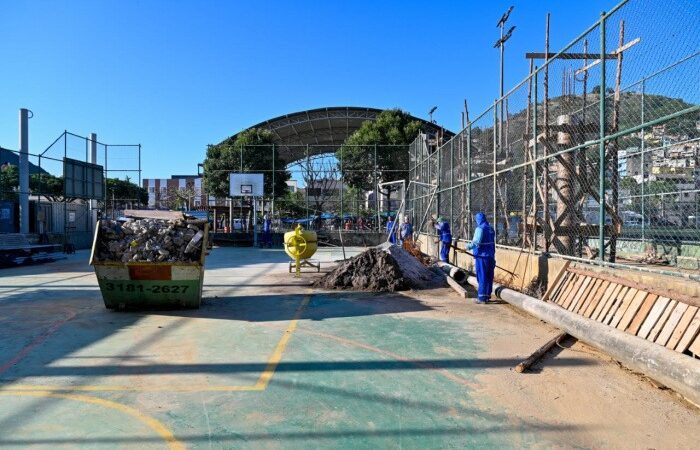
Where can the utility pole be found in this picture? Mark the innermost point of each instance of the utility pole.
(501, 45)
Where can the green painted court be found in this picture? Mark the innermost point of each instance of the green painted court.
(269, 362)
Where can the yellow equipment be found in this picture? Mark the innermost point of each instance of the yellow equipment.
(301, 245)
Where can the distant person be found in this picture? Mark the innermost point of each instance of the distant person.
(483, 246)
(445, 237)
(391, 229)
(267, 232)
(406, 230)
(348, 225)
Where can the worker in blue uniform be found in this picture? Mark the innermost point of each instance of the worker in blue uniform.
(267, 232)
(445, 237)
(406, 230)
(391, 229)
(483, 246)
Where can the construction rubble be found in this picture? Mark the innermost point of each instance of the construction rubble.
(385, 268)
(150, 240)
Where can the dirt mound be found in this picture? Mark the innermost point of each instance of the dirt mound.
(386, 268)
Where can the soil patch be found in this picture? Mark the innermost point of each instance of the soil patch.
(386, 268)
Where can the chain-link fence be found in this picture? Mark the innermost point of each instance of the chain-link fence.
(625, 93)
(319, 186)
(63, 218)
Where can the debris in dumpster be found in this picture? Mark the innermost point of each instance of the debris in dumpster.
(150, 240)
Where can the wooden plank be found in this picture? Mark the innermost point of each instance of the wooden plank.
(592, 289)
(671, 323)
(642, 314)
(616, 305)
(582, 291)
(566, 286)
(681, 327)
(588, 307)
(571, 293)
(695, 346)
(632, 310)
(660, 291)
(563, 284)
(623, 307)
(575, 284)
(532, 359)
(653, 317)
(602, 310)
(654, 333)
(558, 281)
(600, 300)
(690, 334)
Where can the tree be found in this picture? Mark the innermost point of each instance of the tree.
(46, 185)
(9, 180)
(322, 180)
(249, 151)
(390, 133)
(125, 190)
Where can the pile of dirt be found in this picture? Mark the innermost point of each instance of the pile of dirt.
(386, 268)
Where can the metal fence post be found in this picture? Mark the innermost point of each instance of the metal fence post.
(376, 190)
(272, 206)
(469, 179)
(534, 161)
(308, 168)
(438, 196)
(601, 145)
(452, 183)
(493, 173)
(643, 149)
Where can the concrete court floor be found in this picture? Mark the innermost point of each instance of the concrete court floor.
(268, 362)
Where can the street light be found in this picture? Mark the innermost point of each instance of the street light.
(430, 114)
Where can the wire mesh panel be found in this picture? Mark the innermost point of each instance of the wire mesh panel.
(596, 153)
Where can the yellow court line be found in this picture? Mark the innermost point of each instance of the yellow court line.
(276, 357)
(118, 388)
(149, 421)
(260, 385)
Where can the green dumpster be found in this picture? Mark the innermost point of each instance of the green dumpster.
(150, 285)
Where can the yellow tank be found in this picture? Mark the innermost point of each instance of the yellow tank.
(300, 244)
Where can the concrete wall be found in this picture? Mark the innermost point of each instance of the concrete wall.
(533, 274)
(684, 254)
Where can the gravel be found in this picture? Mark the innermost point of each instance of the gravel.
(150, 240)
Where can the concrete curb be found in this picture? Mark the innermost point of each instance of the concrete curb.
(672, 369)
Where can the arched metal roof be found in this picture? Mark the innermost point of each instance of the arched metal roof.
(323, 129)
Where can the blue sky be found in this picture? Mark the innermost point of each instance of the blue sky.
(176, 76)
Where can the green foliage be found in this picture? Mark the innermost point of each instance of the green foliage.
(125, 189)
(292, 204)
(251, 151)
(48, 186)
(392, 127)
(9, 180)
(51, 187)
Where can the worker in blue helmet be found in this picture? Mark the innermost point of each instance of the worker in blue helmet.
(267, 232)
(445, 236)
(391, 229)
(483, 247)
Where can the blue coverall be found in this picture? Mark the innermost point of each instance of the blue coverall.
(445, 235)
(483, 246)
(405, 231)
(267, 234)
(391, 229)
